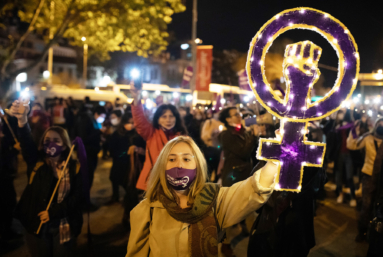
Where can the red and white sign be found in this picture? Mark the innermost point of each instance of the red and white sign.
(204, 67)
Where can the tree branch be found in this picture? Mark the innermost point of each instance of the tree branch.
(22, 38)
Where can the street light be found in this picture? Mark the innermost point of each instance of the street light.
(134, 73)
(83, 39)
(198, 41)
(176, 94)
(184, 46)
(46, 74)
(157, 92)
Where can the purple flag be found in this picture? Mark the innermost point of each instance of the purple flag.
(188, 74)
(243, 81)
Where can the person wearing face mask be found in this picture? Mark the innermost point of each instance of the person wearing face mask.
(237, 145)
(121, 140)
(372, 143)
(110, 124)
(62, 223)
(89, 128)
(167, 124)
(182, 212)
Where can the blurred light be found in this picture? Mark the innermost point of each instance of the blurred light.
(149, 104)
(246, 98)
(144, 93)
(176, 94)
(205, 107)
(24, 94)
(158, 92)
(367, 101)
(97, 89)
(46, 74)
(105, 80)
(22, 77)
(184, 46)
(198, 41)
(134, 73)
(26, 89)
(380, 71)
(43, 88)
(355, 99)
(359, 95)
(377, 100)
(83, 39)
(189, 97)
(223, 101)
(381, 107)
(101, 103)
(369, 113)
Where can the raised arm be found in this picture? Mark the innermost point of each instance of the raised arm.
(356, 143)
(238, 201)
(28, 147)
(143, 126)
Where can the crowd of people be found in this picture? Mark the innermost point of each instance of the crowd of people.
(180, 167)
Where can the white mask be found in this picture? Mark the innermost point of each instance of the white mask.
(100, 119)
(114, 121)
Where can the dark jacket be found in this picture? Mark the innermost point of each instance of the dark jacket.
(237, 147)
(285, 224)
(88, 130)
(36, 195)
(119, 146)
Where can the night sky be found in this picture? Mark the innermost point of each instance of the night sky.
(231, 24)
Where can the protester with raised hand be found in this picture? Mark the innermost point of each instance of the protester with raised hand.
(62, 222)
(167, 124)
(182, 212)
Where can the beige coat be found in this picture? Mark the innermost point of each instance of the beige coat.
(158, 234)
(368, 143)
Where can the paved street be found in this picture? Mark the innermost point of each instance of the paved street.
(335, 225)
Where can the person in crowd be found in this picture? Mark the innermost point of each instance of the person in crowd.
(181, 211)
(185, 115)
(209, 135)
(237, 145)
(110, 124)
(167, 124)
(58, 112)
(121, 140)
(39, 121)
(371, 142)
(9, 150)
(62, 222)
(337, 130)
(70, 117)
(194, 127)
(88, 128)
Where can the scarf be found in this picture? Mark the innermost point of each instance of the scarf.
(203, 235)
(169, 133)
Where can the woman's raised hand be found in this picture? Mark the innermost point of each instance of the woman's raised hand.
(20, 109)
(136, 93)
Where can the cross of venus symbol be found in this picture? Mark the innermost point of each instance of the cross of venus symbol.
(292, 151)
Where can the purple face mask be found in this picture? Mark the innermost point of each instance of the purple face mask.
(180, 178)
(52, 149)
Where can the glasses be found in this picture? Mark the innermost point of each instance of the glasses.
(237, 114)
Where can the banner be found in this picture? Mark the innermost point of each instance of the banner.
(188, 74)
(204, 67)
(243, 80)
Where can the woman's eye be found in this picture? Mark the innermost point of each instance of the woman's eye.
(171, 160)
(186, 160)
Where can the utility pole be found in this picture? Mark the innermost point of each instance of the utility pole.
(194, 46)
(85, 67)
(50, 52)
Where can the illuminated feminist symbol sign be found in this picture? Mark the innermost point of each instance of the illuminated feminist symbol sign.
(300, 68)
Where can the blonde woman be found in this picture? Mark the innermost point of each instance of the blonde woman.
(182, 214)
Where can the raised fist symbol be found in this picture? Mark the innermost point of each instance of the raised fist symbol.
(300, 68)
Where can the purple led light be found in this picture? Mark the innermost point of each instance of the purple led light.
(312, 18)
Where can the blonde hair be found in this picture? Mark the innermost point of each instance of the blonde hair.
(157, 176)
